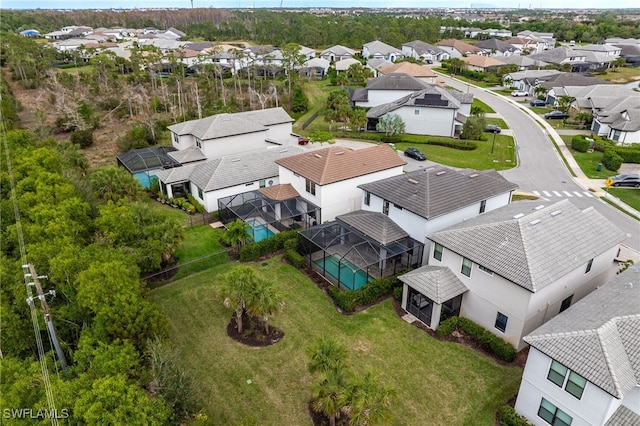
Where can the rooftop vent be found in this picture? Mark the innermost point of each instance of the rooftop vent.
(535, 222)
(541, 206)
(441, 172)
(473, 175)
(518, 216)
(284, 150)
(340, 153)
(413, 181)
(556, 213)
(317, 155)
(235, 160)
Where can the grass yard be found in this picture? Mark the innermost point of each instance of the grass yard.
(483, 106)
(497, 121)
(435, 382)
(630, 196)
(200, 250)
(621, 75)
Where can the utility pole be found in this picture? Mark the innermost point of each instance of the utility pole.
(45, 308)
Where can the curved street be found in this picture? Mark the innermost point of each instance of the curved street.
(540, 168)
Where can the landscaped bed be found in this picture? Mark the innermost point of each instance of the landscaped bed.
(435, 381)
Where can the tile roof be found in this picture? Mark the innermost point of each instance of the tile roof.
(279, 192)
(376, 63)
(396, 81)
(436, 191)
(531, 245)
(432, 97)
(460, 46)
(623, 417)
(523, 61)
(597, 337)
(334, 164)
(557, 55)
(625, 116)
(438, 283)
(570, 79)
(188, 155)
(344, 64)
(497, 45)
(532, 74)
(421, 47)
(338, 50)
(482, 61)
(377, 46)
(374, 225)
(409, 68)
(224, 125)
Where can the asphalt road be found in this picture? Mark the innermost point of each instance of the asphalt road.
(540, 167)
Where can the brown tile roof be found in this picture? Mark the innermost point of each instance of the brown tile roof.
(335, 163)
(412, 69)
(460, 46)
(279, 192)
(482, 61)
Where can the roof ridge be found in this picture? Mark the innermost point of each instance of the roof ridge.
(525, 250)
(605, 352)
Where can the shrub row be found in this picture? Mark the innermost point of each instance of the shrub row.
(629, 154)
(490, 341)
(463, 146)
(291, 253)
(509, 417)
(272, 244)
(348, 300)
(196, 204)
(580, 143)
(611, 160)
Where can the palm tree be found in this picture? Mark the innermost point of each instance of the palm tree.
(326, 354)
(366, 401)
(239, 286)
(265, 302)
(237, 234)
(328, 394)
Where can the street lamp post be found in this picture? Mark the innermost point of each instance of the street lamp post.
(493, 144)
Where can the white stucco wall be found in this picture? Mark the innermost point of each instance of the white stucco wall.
(280, 131)
(211, 198)
(593, 409)
(215, 148)
(429, 121)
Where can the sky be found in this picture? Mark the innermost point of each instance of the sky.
(234, 4)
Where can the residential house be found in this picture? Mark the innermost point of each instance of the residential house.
(457, 49)
(524, 262)
(525, 44)
(30, 33)
(593, 98)
(620, 121)
(583, 366)
(171, 33)
(498, 48)
(482, 63)
(329, 177)
(145, 163)
(307, 53)
(315, 68)
(337, 53)
(545, 40)
(165, 45)
(422, 51)
(555, 84)
(224, 134)
(345, 64)
(433, 111)
(425, 201)
(526, 80)
(375, 64)
(562, 55)
(421, 72)
(214, 179)
(524, 62)
(608, 50)
(385, 89)
(380, 50)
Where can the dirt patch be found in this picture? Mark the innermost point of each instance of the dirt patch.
(253, 333)
(320, 419)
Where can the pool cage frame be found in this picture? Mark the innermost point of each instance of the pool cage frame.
(351, 247)
(276, 215)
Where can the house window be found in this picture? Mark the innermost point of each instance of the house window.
(437, 251)
(589, 264)
(566, 303)
(310, 187)
(553, 415)
(485, 269)
(466, 266)
(616, 135)
(501, 321)
(200, 195)
(199, 143)
(385, 207)
(575, 385)
(557, 373)
(176, 139)
(416, 110)
(262, 183)
(367, 198)
(483, 206)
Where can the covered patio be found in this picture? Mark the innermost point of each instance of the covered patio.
(358, 247)
(432, 294)
(275, 208)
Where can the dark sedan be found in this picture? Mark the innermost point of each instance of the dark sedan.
(626, 179)
(537, 102)
(415, 154)
(492, 128)
(556, 115)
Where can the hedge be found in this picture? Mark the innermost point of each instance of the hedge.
(580, 143)
(348, 300)
(509, 417)
(272, 244)
(611, 160)
(629, 154)
(293, 256)
(463, 146)
(488, 340)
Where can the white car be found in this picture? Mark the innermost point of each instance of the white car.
(517, 93)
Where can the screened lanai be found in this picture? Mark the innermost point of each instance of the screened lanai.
(144, 163)
(269, 210)
(358, 247)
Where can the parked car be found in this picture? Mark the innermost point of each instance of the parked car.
(415, 154)
(556, 115)
(626, 179)
(302, 140)
(429, 61)
(517, 93)
(492, 128)
(537, 102)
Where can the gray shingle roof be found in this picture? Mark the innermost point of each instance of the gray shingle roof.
(532, 247)
(188, 155)
(223, 125)
(438, 283)
(375, 225)
(380, 47)
(396, 81)
(229, 171)
(434, 192)
(523, 61)
(598, 336)
(495, 44)
(422, 48)
(432, 97)
(623, 417)
(571, 79)
(557, 55)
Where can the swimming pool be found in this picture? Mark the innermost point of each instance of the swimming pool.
(259, 231)
(347, 273)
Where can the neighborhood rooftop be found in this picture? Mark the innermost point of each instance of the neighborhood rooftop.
(375, 225)
(334, 164)
(436, 191)
(433, 97)
(598, 337)
(531, 244)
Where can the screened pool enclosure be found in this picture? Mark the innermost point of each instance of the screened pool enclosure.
(144, 163)
(358, 247)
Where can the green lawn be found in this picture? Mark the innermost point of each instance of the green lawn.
(435, 382)
(621, 75)
(497, 121)
(200, 250)
(483, 106)
(630, 196)
(540, 110)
